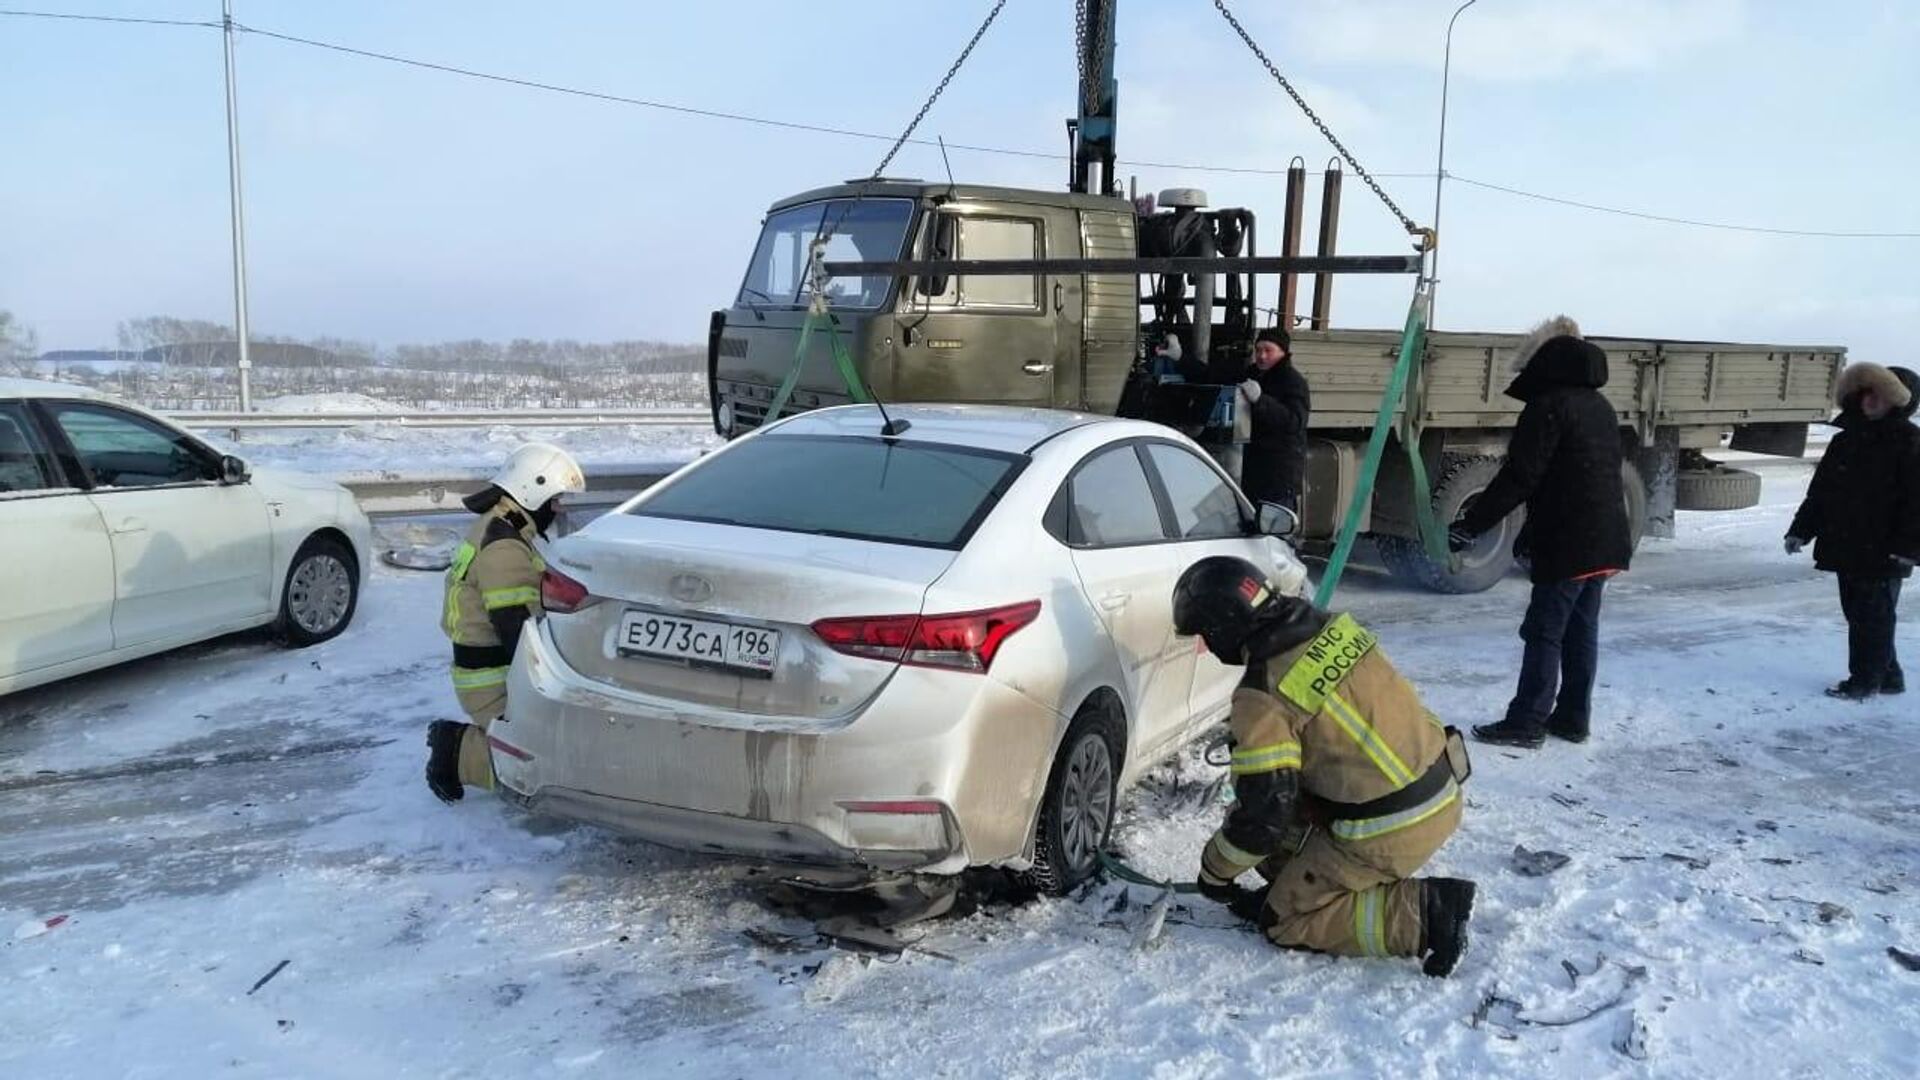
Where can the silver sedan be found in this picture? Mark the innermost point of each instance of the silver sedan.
(827, 646)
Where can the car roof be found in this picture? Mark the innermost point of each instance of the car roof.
(41, 388)
(1009, 429)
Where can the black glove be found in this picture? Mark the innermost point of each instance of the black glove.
(1246, 903)
(1459, 539)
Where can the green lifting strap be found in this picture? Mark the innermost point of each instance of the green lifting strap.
(816, 314)
(1412, 342)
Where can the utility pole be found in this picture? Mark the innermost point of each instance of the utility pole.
(239, 219)
(1440, 167)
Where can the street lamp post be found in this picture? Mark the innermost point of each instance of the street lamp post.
(239, 219)
(1440, 166)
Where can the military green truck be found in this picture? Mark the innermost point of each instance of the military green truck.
(1091, 341)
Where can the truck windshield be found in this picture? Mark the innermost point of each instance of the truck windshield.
(872, 229)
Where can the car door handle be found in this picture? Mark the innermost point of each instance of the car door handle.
(1058, 306)
(1114, 601)
(1036, 367)
(130, 525)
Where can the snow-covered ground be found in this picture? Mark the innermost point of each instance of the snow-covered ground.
(1743, 853)
(400, 449)
(345, 402)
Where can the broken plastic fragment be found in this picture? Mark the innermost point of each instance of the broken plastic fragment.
(1537, 863)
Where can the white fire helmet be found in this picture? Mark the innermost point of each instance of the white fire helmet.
(537, 472)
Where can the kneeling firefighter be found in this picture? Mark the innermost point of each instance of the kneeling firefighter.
(1344, 783)
(493, 588)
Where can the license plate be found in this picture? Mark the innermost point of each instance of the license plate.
(743, 648)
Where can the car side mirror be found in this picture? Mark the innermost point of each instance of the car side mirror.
(233, 470)
(1277, 520)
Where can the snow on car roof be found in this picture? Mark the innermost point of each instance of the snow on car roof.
(989, 427)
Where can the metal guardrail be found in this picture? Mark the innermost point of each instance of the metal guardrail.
(390, 494)
(423, 418)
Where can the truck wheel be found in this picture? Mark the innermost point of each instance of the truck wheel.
(1462, 479)
(1716, 489)
(1636, 490)
(1078, 809)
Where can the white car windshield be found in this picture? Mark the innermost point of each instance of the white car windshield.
(869, 229)
(887, 490)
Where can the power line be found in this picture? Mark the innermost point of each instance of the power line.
(106, 18)
(743, 118)
(822, 129)
(1724, 226)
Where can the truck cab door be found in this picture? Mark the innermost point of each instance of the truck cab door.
(986, 339)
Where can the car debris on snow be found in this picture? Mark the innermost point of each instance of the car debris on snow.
(1537, 863)
(268, 977)
(33, 928)
(1910, 961)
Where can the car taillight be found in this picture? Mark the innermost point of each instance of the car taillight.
(964, 641)
(560, 593)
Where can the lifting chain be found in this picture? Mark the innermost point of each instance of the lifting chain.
(1425, 237)
(1090, 75)
(880, 169)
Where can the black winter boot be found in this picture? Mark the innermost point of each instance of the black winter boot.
(1566, 729)
(443, 759)
(1893, 682)
(1446, 904)
(1511, 733)
(1848, 690)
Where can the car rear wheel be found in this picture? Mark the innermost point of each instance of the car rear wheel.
(321, 592)
(1078, 809)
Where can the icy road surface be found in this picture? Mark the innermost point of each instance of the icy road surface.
(1744, 852)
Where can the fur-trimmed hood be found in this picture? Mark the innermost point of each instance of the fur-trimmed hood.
(1554, 354)
(1897, 385)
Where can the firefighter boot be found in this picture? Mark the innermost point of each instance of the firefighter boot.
(443, 759)
(1445, 906)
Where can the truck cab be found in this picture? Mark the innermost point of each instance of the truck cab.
(1047, 341)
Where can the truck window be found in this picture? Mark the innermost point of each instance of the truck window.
(871, 229)
(992, 238)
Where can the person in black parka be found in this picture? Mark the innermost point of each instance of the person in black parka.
(1862, 515)
(1563, 463)
(1274, 464)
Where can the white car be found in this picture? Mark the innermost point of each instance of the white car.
(822, 646)
(122, 536)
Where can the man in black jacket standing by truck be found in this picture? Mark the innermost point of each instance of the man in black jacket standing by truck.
(1564, 464)
(1275, 394)
(1862, 515)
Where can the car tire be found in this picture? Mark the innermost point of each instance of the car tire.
(321, 592)
(1079, 807)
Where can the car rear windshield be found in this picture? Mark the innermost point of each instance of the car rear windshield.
(888, 490)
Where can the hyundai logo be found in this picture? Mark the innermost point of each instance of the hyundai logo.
(690, 588)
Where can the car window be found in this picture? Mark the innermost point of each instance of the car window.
(1113, 503)
(121, 449)
(1204, 507)
(887, 490)
(23, 462)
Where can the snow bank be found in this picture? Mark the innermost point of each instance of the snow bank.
(326, 403)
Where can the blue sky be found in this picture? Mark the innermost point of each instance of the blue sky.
(392, 205)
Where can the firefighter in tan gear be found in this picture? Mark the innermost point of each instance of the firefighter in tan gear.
(1345, 785)
(493, 588)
